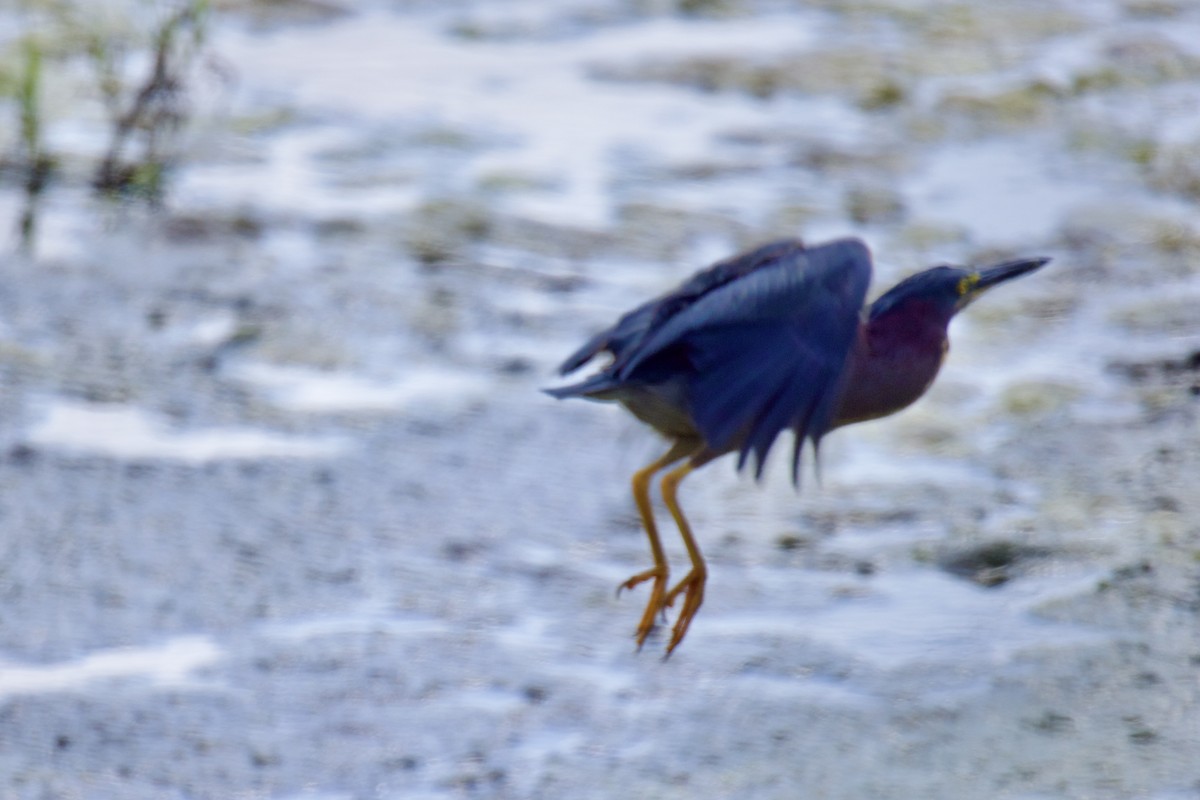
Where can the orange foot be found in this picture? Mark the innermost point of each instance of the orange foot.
(692, 589)
(657, 599)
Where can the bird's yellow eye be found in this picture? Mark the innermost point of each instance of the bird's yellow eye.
(967, 284)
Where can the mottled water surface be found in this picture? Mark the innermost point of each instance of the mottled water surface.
(284, 515)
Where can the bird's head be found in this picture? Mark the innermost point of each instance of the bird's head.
(941, 292)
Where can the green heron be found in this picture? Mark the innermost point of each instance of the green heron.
(770, 339)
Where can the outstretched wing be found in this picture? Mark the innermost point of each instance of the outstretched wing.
(764, 352)
(632, 328)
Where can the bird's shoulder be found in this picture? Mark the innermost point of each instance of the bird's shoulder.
(763, 351)
(623, 338)
(722, 274)
(780, 280)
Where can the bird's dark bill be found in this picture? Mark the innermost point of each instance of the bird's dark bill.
(993, 276)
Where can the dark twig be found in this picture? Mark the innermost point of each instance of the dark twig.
(156, 108)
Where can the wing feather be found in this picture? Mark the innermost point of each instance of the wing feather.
(766, 351)
(632, 328)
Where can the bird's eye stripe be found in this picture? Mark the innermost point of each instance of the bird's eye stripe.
(968, 283)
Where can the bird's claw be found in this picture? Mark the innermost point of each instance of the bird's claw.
(692, 589)
(652, 574)
(654, 606)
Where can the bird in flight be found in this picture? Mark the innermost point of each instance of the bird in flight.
(772, 339)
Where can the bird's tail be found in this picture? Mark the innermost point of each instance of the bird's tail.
(594, 386)
(591, 348)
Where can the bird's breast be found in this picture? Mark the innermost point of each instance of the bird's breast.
(662, 407)
(885, 376)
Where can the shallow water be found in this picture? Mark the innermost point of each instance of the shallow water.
(285, 515)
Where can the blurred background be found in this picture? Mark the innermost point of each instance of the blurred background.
(283, 513)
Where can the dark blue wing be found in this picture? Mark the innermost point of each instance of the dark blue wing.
(764, 352)
(632, 328)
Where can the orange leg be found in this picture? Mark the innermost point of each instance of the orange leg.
(660, 572)
(692, 585)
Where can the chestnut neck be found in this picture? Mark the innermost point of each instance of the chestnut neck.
(895, 358)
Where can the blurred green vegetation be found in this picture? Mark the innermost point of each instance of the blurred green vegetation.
(36, 163)
(134, 60)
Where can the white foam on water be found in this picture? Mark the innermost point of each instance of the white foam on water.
(1002, 191)
(536, 102)
(169, 664)
(122, 431)
(309, 390)
(364, 623)
(922, 617)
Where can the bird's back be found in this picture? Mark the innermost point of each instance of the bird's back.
(742, 350)
(622, 339)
